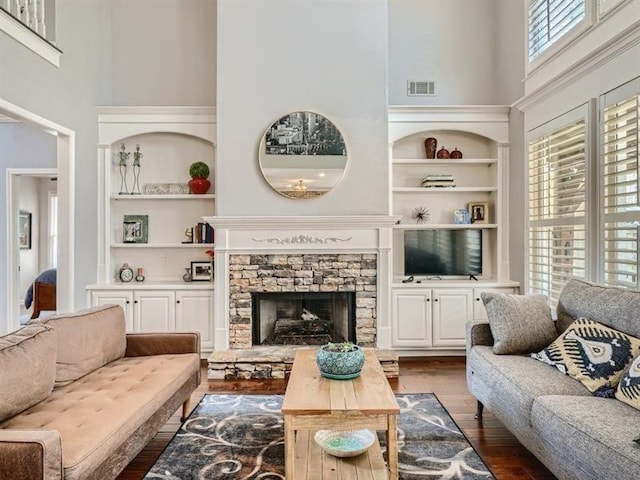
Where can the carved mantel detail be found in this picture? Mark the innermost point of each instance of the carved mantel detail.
(302, 239)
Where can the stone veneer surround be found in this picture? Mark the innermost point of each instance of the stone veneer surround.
(302, 272)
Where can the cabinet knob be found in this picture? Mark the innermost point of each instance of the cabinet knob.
(128, 302)
(177, 301)
(435, 299)
(477, 299)
(135, 301)
(428, 299)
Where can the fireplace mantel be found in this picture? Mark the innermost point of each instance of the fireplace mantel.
(280, 235)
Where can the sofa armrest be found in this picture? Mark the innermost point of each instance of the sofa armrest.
(478, 333)
(144, 344)
(30, 455)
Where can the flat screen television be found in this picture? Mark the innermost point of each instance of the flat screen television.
(443, 252)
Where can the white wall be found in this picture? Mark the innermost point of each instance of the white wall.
(29, 258)
(163, 52)
(277, 57)
(452, 42)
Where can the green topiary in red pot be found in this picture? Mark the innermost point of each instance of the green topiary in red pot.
(199, 172)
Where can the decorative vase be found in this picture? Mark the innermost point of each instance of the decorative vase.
(443, 153)
(455, 154)
(340, 365)
(187, 275)
(199, 186)
(430, 145)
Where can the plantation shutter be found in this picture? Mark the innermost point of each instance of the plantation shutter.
(620, 209)
(557, 209)
(551, 19)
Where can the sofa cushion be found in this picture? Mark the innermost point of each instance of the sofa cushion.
(615, 307)
(592, 353)
(599, 430)
(28, 359)
(511, 383)
(87, 340)
(519, 323)
(97, 413)
(629, 387)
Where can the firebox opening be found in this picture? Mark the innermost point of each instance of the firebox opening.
(309, 318)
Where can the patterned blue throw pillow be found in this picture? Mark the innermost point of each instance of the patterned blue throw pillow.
(629, 386)
(592, 353)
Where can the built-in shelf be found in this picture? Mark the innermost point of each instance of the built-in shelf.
(187, 196)
(439, 190)
(177, 284)
(436, 226)
(162, 245)
(428, 162)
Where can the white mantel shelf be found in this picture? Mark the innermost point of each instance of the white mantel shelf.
(315, 223)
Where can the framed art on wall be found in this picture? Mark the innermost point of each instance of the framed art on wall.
(24, 230)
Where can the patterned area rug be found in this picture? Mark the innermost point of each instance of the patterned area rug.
(233, 437)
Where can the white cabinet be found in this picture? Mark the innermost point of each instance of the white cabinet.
(434, 318)
(452, 309)
(154, 311)
(412, 309)
(162, 310)
(194, 312)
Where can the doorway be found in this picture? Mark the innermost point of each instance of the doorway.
(64, 147)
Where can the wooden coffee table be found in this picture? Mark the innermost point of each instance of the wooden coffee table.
(313, 403)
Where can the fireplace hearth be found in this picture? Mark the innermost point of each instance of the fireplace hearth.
(310, 318)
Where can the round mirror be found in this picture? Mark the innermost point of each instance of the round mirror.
(302, 155)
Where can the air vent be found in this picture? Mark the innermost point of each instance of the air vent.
(421, 88)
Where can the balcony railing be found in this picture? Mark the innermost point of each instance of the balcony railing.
(29, 12)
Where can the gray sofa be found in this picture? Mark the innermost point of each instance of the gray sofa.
(575, 434)
(79, 398)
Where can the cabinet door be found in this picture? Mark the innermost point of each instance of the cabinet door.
(114, 297)
(411, 318)
(479, 312)
(194, 313)
(452, 309)
(154, 311)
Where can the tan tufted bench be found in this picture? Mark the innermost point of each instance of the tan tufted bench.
(92, 426)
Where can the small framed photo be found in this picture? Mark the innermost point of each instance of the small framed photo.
(479, 212)
(461, 216)
(24, 230)
(135, 229)
(201, 271)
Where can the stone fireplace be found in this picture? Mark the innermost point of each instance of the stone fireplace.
(251, 275)
(333, 276)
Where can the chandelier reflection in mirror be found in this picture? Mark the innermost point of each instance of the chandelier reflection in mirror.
(302, 155)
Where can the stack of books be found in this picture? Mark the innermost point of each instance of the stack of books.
(438, 180)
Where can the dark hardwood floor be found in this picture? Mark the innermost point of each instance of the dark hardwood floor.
(444, 376)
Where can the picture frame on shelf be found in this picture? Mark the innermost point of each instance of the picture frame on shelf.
(24, 230)
(135, 229)
(201, 271)
(479, 212)
(461, 216)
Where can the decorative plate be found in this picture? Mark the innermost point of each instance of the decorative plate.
(344, 443)
(166, 189)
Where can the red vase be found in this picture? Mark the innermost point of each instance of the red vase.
(199, 186)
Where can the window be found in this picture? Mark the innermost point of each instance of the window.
(53, 230)
(557, 207)
(550, 20)
(620, 208)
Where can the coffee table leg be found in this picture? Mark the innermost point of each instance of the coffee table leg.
(392, 446)
(289, 450)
